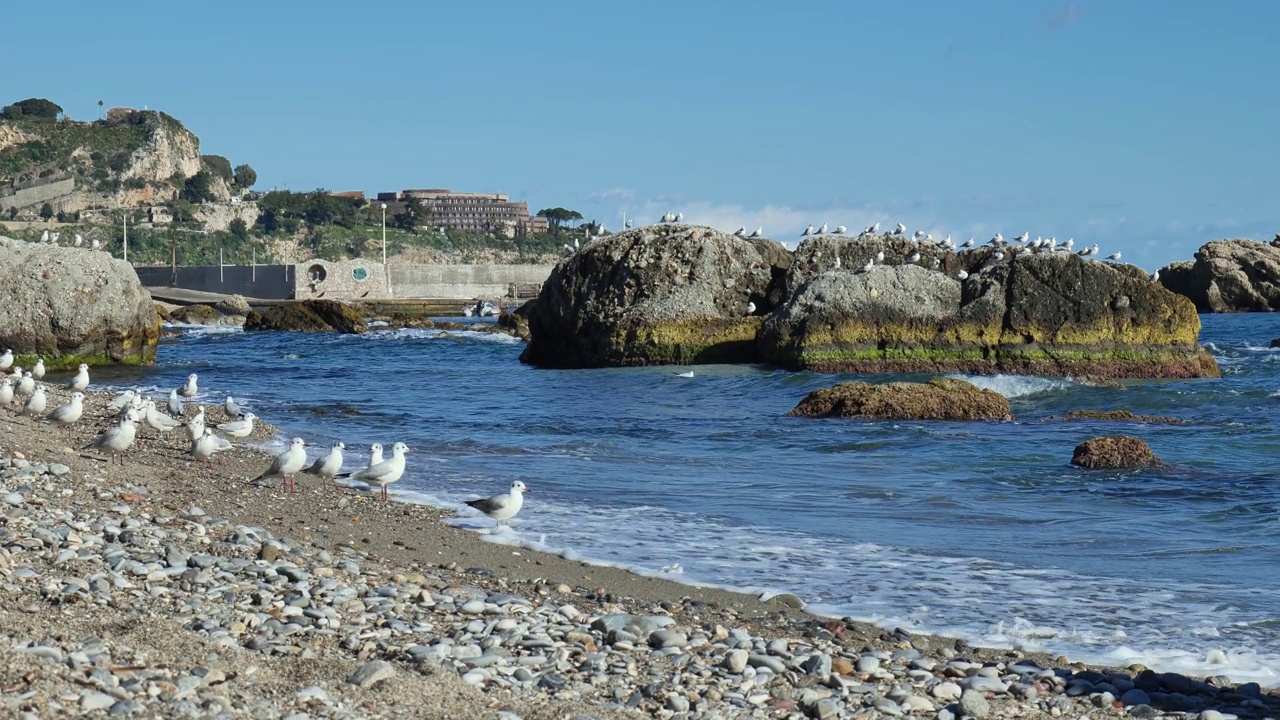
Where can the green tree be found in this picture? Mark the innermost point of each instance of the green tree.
(218, 166)
(13, 212)
(245, 177)
(558, 216)
(46, 211)
(198, 188)
(37, 108)
(239, 229)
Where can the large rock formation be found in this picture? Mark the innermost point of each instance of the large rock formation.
(308, 316)
(73, 306)
(937, 399)
(656, 295)
(1229, 276)
(1042, 313)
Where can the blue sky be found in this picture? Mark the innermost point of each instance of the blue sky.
(1146, 127)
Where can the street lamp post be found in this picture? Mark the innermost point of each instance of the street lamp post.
(384, 235)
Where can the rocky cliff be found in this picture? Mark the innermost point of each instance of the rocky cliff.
(1229, 276)
(70, 306)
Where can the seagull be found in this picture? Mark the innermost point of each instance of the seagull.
(1094, 249)
(962, 275)
(914, 258)
(900, 230)
(375, 454)
(872, 229)
(203, 447)
(679, 217)
(328, 467)
(841, 230)
(919, 235)
(667, 217)
(1113, 256)
(686, 374)
(502, 507)
(6, 360)
(807, 231)
(96, 245)
(822, 230)
(175, 404)
(1155, 276)
(81, 380)
(751, 308)
(54, 238)
(867, 268)
(195, 425)
(6, 392)
(935, 264)
(67, 415)
(189, 388)
(37, 372)
(576, 246)
(286, 465)
(758, 233)
(967, 243)
(231, 407)
(157, 419)
(239, 428)
(997, 257)
(627, 224)
(741, 231)
(997, 239)
(79, 240)
(1023, 237)
(37, 402)
(568, 248)
(385, 472)
(119, 438)
(1067, 245)
(122, 400)
(880, 256)
(27, 384)
(44, 236)
(836, 264)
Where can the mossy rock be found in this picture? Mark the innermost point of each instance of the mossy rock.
(196, 315)
(1121, 416)
(937, 399)
(1114, 452)
(308, 316)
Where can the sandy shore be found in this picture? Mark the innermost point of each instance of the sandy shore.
(456, 642)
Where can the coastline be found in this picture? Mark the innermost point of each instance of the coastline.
(401, 540)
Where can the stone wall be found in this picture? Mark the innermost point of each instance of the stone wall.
(465, 281)
(53, 193)
(340, 280)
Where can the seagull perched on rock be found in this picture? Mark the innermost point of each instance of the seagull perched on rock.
(836, 265)
(807, 231)
(880, 256)
(741, 232)
(667, 217)
(841, 230)
(758, 233)
(967, 243)
(384, 473)
(919, 235)
(962, 275)
(900, 230)
(679, 217)
(79, 240)
(328, 466)
(914, 258)
(1155, 276)
(1113, 256)
(872, 229)
(1023, 237)
(96, 245)
(822, 230)
(751, 308)
(998, 239)
(935, 264)
(997, 257)
(286, 465)
(867, 268)
(502, 507)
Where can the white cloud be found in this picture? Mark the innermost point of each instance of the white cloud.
(610, 195)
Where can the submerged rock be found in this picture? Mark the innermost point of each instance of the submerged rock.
(516, 322)
(1121, 416)
(660, 294)
(308, 316)
(937, 399)
(196, 315)
(1026, 313)
(72, 305)
(1116, 451)
(1229, 276)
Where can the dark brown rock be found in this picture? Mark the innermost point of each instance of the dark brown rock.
(196, 315)
(937, 399)
(1121, 416)
(516, 322)
(1112, 452)
(1228, 276)
(308, 316)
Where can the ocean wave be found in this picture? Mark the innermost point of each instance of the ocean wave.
(1012, 386)
(197, 329)
(436, 334)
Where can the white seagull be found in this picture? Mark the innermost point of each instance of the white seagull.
(872, 229)
(807, 231)
(203, 447)
(741, 231)
(328, 467)
(758, 233)
(385, 472)
(900, 230)
(867, 268)
(37, 403)
(1155, 276)
(175, 404)
(751, 308)
(81, 380)
(914, 258)
(967, 243)
(119, 438)
(27, 384)
(1114, 256)
(822, 230)
(841, 230)
(239, 428)
(286, 465)
(68, 414)
(231, 407)
(37, 372)
(962, 275)
(157, 419)
(6, 360)
(190, 387)
(502, 507)
(6, 392)
(880, 256)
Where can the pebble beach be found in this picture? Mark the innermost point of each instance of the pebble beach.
(165, 588)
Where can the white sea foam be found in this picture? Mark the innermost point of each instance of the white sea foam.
(1012, 386)
(197, 329)
(435, 334)
(992, 603)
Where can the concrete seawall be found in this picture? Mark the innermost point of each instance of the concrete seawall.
(465, 281)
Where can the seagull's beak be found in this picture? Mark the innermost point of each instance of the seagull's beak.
(524, 490)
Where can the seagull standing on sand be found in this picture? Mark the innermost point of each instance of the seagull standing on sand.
(328, 467)
(6, 392)
(190, 387)
(203, 447)
(37, 402)
(232, 408)
(239, 428)
(81, 380)
(175, 404)
(286, 465)
(119, 438)
(37, 372)
(68, 414)
(385, 472)
(6, 360)
(375, 454)
(26, 385)
(121, 401)
(157, 419)
(502, 507)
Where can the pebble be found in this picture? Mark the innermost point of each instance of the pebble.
(735, 661)
(14, 499)
(973, 704)
(372, 673)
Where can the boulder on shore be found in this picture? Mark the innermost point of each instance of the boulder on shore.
(72, 305)
(198, 314)
(937, 399)
(233, 305)
(1022, 312)
(660, 294)
(516, 322)
(1113, 452)
(308, 316)
(1229, 276)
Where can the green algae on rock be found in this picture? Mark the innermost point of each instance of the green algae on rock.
(937, 399)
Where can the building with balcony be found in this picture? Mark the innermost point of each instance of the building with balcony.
(476, 212)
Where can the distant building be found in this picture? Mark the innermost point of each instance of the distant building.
(478, 212)
(353, 194)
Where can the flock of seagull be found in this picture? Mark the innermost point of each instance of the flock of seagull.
(48, 237)
(132, 408)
